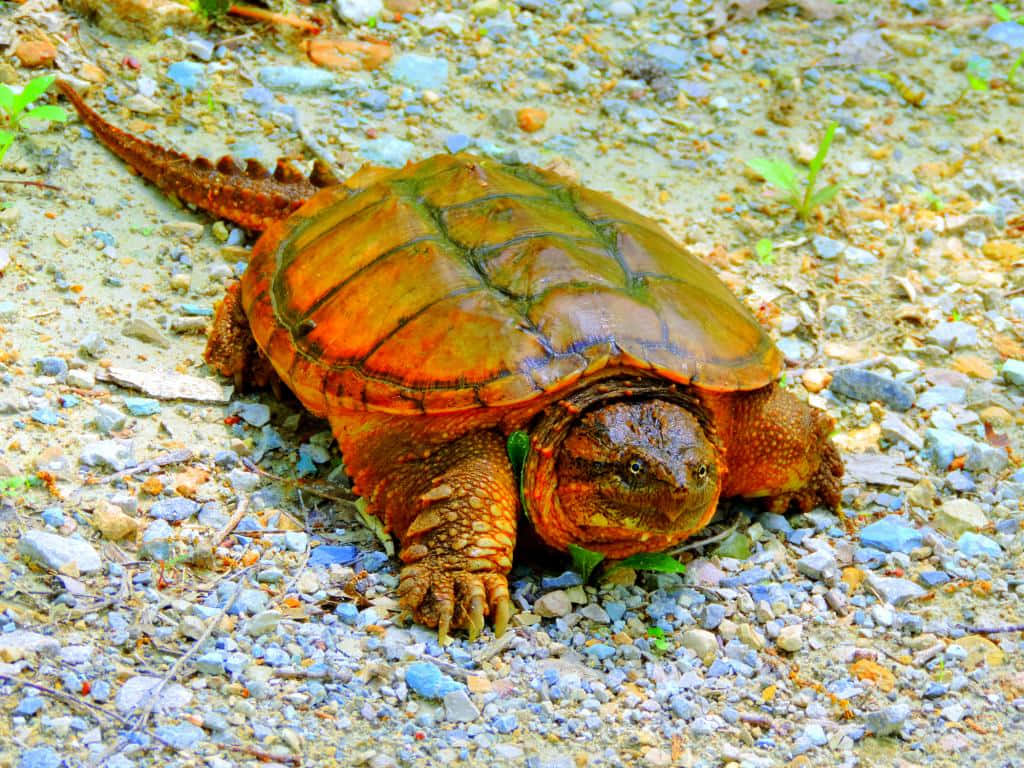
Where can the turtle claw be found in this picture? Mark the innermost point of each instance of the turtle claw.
(502, 611)
(439, 596)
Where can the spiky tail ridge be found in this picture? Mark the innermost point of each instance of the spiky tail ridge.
(252, 197)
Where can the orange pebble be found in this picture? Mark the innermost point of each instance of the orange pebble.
(531, 119)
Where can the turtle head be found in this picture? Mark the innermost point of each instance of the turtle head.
(636, 476)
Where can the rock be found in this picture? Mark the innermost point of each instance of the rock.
(946, 445)
(958, 515)
(815, 379)
(111, 521)
(887, 721)
(156, 541)
(531, 119)
(173, 510)
(21, 643)
(40, 757)
(893, 590)
(622, 9)
(891, 534)
(954, 335)
(712, 615)
(426, 680)
(553, 605)
(419, 71)
(38, 52)
(790, 638)
(189, 75)
(816, 564)
(459, 708)
(976, 545)
(595, 613)
(137, 692)
(144, 19)
(895, 430)
(701, 642)
(387, 151)
(112, 454)
(859, 384)
(986, 458)
(262, 623)
(59, 552)
(1006, 32)
(297, 79)
(1013, 372)
(358, 11)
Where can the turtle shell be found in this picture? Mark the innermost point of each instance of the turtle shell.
(460, 282)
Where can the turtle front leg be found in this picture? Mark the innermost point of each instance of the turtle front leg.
(778, 447)
(454, 512)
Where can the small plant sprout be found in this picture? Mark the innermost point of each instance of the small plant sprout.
(1003, 13)
(781, 175)
(765, 251)
(13, 108)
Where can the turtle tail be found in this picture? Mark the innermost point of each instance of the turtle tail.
(252, 196)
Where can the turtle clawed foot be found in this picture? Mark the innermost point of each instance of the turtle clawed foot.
(438, 596)
(824, 488)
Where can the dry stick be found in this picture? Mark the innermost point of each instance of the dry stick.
(266, 757)
(154, 692)
(67, 698)
(236, 518)
(174, 457)
(259, 14)
(32, 183)
(254, 467)
(709, 540)
(994, 630)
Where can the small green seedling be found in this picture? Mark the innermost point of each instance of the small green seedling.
(210, 9)
(979, 73)
(781, 175)
(765, 251)
(13, 105)
(1003, 13)
(657, 638)
(9, 486)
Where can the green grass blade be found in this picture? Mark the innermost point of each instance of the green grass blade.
(49, 112)
(822, 196)
(819, 158)
(6, 99)
(1001, 12)
(778, 173)
(33, 90)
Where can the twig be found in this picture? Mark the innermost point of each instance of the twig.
(285, 19)
(993, 630)
(32, 183)
(298, 571)
(709, 540)
(761, 721)
(67, 698)
(154, 692)
(236, 518)
(266, 757)
(254, 467)
(174, 457)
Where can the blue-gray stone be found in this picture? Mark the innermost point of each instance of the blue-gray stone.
(712, 615)
(388, 151)
(331, 554)
(986, 458)
(456, 142)
(978, 545)
(426, 680)
(860, 384)
(615, 609)
(373, 561)
(46, 416)
(1013, 371)
(108, 419)
(189, 75)
(937, 396)
(934, 690)
(253, 414)
(1006, 32)
(51, 366)
(53, 516)
(156, 541)
(954, 335)
(250, 601)
(887, 721)
(39, 757)
(961, 481)
(142, 406)
(347, 612)
(211, 663)
(894, 590)
(296, 541)
(419, 71)
(58, 552)
(827, 248)
(933, 578)
(173, 510)
(243, 481)
(945, 445)
(890, 534)
(670, 57)
(564, 581)
(506, 723)
(775, 523)
(600, 651)
(212, 514)
(112, 454)
(180, 736)
(376, 100)
(296, 79)
(29, 705)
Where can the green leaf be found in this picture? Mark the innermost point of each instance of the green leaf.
(49, 112)
(764, 250)
(823, 147)
(976, 83)
(736, 546)
(33, 90)
(6, 139)
(6, 99)
(1001, 12)
(651, 561)
(655, 632)
(776, 172)
(584, 561)
(518, 447)
(822, 196)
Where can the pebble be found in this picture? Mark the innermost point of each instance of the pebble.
(958, 515)
(21, 643)
(790, 638)
(40, 757)
(156, 541)
(358, 11)
(554, 604)
(1013, 372)
(701, 642)
(174, 510)
(116, 455)
(860, 384)
(954, 335)
(189, 75)
(137, 691)
(895, 430)
(419, 71)
(459, 708)
(891, 534)
(894, 590)
(387, 151)
(426, 680)
(887, 721)
(297, 79)
(978, 545)
(816, 564)
(946, 445)
(59, 552)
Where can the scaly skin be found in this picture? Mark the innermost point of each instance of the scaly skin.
(251, 197)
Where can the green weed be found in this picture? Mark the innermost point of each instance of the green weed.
(210, 9)
(657, 638)
(13, 106)
(783, 176)
(765, 251)
(584, 561)
(9, 486)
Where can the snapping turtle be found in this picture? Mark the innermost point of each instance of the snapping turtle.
(430, 311)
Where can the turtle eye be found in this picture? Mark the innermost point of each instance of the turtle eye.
(636, 466)
(702, 472)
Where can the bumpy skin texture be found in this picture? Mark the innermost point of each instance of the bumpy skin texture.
(428, 312)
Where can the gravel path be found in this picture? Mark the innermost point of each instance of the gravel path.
(184, 578)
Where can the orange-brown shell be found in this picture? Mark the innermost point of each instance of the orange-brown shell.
(460, 282)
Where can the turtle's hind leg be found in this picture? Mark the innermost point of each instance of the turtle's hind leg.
(231, 349)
